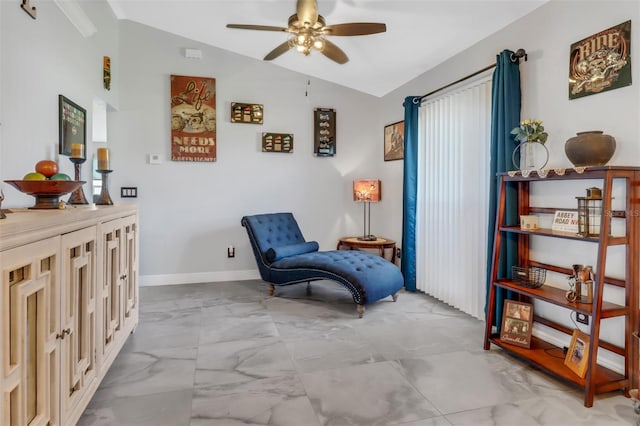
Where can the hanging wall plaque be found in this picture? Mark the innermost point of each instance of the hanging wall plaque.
(277, 142)
(601, 62)
(193, 118)
(324, 131)
(246, 113)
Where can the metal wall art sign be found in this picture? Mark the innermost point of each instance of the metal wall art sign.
(193, 118)
(601, 62)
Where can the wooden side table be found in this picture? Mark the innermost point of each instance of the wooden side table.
(381, 244)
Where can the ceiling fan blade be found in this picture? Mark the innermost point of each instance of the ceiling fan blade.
(282, 48)
(256, 27)
(334, 53)
(355, 29)
(307, 11)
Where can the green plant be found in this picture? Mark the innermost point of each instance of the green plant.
(530, 131)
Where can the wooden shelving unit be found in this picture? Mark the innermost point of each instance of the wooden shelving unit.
(545, 355)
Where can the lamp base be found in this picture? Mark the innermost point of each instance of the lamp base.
(367, 238)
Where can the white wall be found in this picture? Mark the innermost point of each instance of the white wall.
(189, 212)
(547, 34)
(41, 59)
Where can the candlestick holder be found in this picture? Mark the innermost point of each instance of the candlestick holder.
(105, 198)
(77, 196)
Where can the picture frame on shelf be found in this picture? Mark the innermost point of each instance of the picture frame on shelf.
(517, 321)
(578, 354)
(394, 141)
(247, 113)
(72, 125)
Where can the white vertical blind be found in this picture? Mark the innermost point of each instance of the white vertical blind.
(453, 196)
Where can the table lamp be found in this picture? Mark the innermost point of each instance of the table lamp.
(367, 191)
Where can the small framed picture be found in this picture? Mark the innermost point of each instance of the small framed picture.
(72, 125)
(578, 354)
(324, 132)
(394, 141)
(517, 319)
(277, 142)
(247, 113)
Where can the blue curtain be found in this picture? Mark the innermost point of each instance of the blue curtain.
(505, 115)
(410, 187)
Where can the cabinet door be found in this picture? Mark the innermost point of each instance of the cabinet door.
(109, 290)
(129, 271)
(29, 378)
(77, 317)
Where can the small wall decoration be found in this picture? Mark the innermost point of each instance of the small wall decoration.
(72, 126)
(106, 72)
(246, 113)
(578, 353)
(193, 118)
(277, 142)
(31, 10)
(517, 318)
(601, 62)
(394, 141)
(324, 125)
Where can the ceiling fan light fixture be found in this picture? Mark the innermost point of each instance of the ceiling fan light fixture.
(307, 30)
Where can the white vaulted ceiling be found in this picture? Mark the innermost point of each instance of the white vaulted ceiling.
(420, 34)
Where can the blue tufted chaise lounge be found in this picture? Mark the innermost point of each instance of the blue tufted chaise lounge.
(284, 257)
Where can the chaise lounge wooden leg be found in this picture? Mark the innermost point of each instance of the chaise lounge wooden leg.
(272, 289)
(360, 309)
(394, 296)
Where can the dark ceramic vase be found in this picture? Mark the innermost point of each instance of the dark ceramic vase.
(591, 148)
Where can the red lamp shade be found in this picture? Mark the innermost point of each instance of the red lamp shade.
(367, 190)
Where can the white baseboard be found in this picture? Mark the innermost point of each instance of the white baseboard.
(607, 360)
(198, 277)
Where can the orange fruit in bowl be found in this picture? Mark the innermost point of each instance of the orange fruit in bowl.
(47, 167)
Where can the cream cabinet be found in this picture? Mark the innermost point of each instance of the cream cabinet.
(117, 278)
(68, 301)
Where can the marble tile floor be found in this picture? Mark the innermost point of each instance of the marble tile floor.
(229, 354)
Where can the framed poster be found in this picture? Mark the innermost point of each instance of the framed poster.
(72, 125)
(517, 319)
(324, 132)
(277, 142)
(578, 354)
(394, 141)
(247, 113)
(601, 62)
(193, 118)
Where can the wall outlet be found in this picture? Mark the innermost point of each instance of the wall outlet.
(582, 318)
(231, 251)
(399, 253)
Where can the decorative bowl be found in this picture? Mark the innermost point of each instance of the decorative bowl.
(46, 192)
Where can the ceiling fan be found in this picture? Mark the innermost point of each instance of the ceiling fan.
(308, 30)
